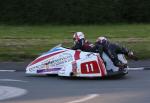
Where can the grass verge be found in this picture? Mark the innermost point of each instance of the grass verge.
(24, 42)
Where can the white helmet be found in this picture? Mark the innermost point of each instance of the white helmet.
(78, 35)
(101, 40)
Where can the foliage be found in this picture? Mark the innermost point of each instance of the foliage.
(73, 11)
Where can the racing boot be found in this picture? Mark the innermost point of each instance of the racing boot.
(121, 66)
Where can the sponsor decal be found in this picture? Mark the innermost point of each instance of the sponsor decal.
(74, 67)
(48, 70)
(44, 57)
(35, 68)
(61, 59)
(56, 61)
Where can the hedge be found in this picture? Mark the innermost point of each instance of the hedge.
(74, 11)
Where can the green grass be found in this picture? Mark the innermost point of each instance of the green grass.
(23, 42)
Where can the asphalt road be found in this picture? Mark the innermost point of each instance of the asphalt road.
(133, 88)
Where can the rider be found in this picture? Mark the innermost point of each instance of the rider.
(81, 43)
(112, 49)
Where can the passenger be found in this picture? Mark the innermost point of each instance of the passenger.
(112, 50)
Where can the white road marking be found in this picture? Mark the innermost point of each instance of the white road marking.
(141, 68)
(11, 92)
(7, 70)
(12, 80)
(90, 96)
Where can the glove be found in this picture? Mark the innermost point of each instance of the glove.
(132, 56)
(130, 53)
(120, 64)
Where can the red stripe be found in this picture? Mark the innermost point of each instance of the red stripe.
(45, 57)
(102, 67)
(77, 55)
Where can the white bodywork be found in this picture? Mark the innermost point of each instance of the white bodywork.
(66, 62)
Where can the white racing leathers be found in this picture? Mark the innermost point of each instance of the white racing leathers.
(109, 64)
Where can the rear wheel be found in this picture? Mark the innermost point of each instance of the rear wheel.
(71, 74)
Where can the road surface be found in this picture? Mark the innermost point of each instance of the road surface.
(17, 87)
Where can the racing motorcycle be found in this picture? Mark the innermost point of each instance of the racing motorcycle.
(75, 63)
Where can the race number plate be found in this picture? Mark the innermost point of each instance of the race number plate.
(90, 67)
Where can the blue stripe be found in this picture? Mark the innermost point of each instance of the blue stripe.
(48, 70)
(53, 50)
